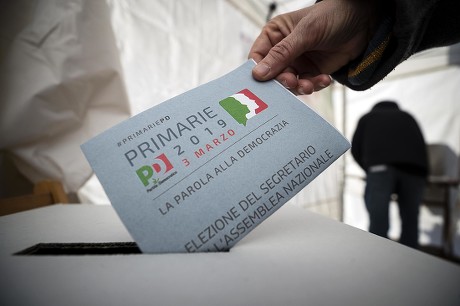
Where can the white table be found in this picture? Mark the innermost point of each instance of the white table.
(294, 258)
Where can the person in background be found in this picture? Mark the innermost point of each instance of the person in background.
(389, 145)
(358, 42)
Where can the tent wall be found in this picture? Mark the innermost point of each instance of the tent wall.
(60, 84)
(168, 47)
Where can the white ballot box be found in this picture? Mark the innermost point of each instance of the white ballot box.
(295, 257)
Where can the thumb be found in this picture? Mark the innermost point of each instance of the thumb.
(278, 58)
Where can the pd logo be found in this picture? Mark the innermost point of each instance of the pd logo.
(243, 105)
(160, 167)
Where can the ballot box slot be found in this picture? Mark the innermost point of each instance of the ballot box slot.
(82, 248)
(105, 248)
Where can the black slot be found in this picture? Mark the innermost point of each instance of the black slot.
(106, 248)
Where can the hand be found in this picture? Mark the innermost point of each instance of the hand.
(302, 48)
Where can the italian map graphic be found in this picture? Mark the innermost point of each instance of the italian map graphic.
(243, 105)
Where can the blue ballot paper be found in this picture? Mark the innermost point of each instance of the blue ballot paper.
(200, 171)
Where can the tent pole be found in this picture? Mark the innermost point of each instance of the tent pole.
(344, 164)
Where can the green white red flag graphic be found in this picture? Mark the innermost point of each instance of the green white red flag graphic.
(243, 105)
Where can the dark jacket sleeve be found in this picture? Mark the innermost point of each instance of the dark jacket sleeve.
(357, 143)
(410, 27)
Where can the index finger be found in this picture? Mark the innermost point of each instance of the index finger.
(268, 38)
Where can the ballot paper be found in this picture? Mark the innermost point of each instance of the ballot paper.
(198, 172)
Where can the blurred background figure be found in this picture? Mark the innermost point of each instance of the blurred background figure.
(389, 145)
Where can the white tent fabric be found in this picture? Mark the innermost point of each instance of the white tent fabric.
(60, 84)
(258, 11)
(169, 47)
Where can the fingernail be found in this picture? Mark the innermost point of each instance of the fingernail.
(261, 70)
(301, 91)
(285, 84)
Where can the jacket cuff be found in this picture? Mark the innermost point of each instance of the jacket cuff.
(362, 70)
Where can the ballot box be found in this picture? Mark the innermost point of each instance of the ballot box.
(82, 255)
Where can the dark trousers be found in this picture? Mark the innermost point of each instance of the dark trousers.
(380, 185)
